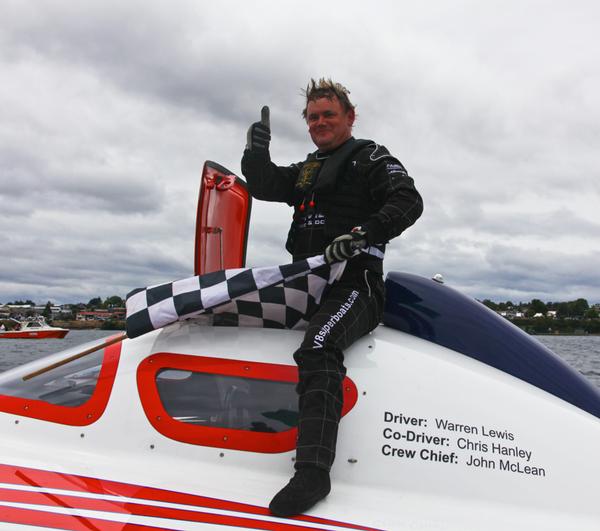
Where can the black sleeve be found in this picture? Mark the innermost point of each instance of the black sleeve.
(268, 181)
(401, 204)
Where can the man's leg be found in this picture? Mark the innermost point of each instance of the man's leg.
(351, 309)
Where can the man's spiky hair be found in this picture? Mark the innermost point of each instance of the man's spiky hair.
(326, 88)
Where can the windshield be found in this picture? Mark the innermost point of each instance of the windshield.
(222, 401)
(71, 384)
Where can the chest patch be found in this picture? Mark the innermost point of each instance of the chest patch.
(307, 175)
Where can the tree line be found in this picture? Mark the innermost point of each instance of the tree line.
(577, 309)
(96, 303)
(572, 317)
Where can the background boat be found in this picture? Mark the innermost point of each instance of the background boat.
(34, 328)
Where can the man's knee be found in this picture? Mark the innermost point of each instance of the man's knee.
(309, 358)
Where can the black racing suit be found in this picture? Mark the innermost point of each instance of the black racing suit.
(357, 185)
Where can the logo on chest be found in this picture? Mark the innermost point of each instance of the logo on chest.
(307, 175)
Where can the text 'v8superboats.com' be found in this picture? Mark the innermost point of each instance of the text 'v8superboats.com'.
(454, 419)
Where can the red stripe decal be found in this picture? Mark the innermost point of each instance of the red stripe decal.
(61, 521)
(78, 503)
(55, 480)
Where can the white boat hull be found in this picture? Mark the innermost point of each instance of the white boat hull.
(529, 461)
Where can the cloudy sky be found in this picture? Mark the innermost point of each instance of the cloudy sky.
(109, 109)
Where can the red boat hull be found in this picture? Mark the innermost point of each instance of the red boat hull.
(34, 334)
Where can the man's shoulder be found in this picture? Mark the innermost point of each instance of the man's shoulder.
(375, 157)
(369, 151)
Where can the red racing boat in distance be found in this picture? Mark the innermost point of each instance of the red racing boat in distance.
(35, 328)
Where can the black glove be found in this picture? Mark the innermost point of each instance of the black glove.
(345, 246)
(259, 133)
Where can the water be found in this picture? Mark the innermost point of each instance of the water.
(581, 352)
(15, 352)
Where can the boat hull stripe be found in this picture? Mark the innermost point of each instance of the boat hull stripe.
(50, 520)
(40, 484)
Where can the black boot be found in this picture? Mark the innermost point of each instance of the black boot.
(307, 487)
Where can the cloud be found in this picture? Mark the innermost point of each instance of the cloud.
(109, 110)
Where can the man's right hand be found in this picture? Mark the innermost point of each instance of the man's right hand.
(259, 133)
(346, 246)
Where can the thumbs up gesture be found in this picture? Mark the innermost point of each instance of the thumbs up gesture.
(259, 133)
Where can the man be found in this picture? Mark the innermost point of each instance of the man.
(350, 197)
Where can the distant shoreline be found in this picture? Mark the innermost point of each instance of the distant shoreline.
(121, 325)
(562, 334)
(90, 325)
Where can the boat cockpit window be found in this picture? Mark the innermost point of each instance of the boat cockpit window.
(68, 385)
(222, 401)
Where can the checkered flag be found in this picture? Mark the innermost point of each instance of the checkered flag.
(271, 297)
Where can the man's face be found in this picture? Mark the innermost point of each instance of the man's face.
(328, 124)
